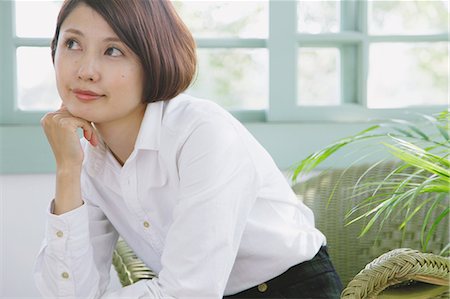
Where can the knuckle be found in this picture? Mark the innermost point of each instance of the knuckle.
(46, 118)
(63, 122)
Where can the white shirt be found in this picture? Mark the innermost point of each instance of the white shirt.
(199, 201)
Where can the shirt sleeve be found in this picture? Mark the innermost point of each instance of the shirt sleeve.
(218, 188)
(75, 258)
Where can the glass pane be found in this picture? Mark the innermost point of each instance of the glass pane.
(218, 19)
(319, 77)
(408, 17)
(403, 75)
(36, 18)
(36, 84)
(318, 16)
(234, 78)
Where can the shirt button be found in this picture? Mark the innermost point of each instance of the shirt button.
(59, 234)
(262, 287)
(146, 224)
(65, 275)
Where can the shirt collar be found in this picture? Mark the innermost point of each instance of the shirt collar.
(150, 131)
(148, 139)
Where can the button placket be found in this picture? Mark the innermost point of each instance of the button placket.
(130, 195)
(131, 198)
(129, 192)
(129, 186)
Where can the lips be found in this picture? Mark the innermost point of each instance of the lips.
(86, 95)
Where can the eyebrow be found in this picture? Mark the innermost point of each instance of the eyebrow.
(107, 39)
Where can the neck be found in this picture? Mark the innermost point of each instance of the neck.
(120, 135)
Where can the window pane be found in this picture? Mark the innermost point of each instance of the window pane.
(408, 17)
(403, 75)
(218, 19)
(234, 78)
(36, 84)
(318, 77)
(318, 16)
(36, 18)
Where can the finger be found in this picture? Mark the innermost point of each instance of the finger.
(89, 133)
(63, 109)
(94, 139)
(91, 137)
(75, 122)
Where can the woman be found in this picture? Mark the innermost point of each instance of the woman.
(183, 182)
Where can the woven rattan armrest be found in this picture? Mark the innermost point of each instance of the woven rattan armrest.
(129, 267)
(397, 266)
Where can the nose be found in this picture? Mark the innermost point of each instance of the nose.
(88, 69)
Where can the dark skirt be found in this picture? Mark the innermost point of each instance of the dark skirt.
(312, 279)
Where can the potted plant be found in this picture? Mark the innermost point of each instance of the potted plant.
(420, 180)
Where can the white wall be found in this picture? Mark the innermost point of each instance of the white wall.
(23, 203)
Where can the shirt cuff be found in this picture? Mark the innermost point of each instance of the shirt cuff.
(67, 234)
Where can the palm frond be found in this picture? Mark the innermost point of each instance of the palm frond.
(423, 235)
(422, 152)
(315, 159)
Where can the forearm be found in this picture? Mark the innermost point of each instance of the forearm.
(65, 266)
(75, 258)
(68, 190)
(61, 127)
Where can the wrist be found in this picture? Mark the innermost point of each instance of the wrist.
(68, 189)
(68, 169)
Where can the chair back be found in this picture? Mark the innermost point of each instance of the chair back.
(348, 252)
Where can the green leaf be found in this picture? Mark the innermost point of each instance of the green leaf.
(435, 224)
(412, 127)
(426, 220)
(313, 160)
(440, 123)
(417, 161)
(423, 171)
(415, 211)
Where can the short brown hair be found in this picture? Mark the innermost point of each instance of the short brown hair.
(155, 33)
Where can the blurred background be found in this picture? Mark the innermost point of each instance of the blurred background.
(297, 74)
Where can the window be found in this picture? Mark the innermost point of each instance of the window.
(232, 53)
(285, 68)
(268, 60)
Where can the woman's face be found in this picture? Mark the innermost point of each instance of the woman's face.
(98, 77)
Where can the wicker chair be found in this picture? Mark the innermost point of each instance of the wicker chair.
(350, 254)
(395, 271)
(398, 266)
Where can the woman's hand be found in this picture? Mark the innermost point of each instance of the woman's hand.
(61, 130)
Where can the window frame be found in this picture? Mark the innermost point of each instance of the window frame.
(353, 37)
(10, 114)
(282, 44)
(302, 129)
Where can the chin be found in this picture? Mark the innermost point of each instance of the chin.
(77, 112)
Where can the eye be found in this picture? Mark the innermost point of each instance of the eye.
(72, 44)
(114, 52)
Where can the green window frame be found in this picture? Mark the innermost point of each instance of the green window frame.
(282, 43)
(22, 129)
(353, 42)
